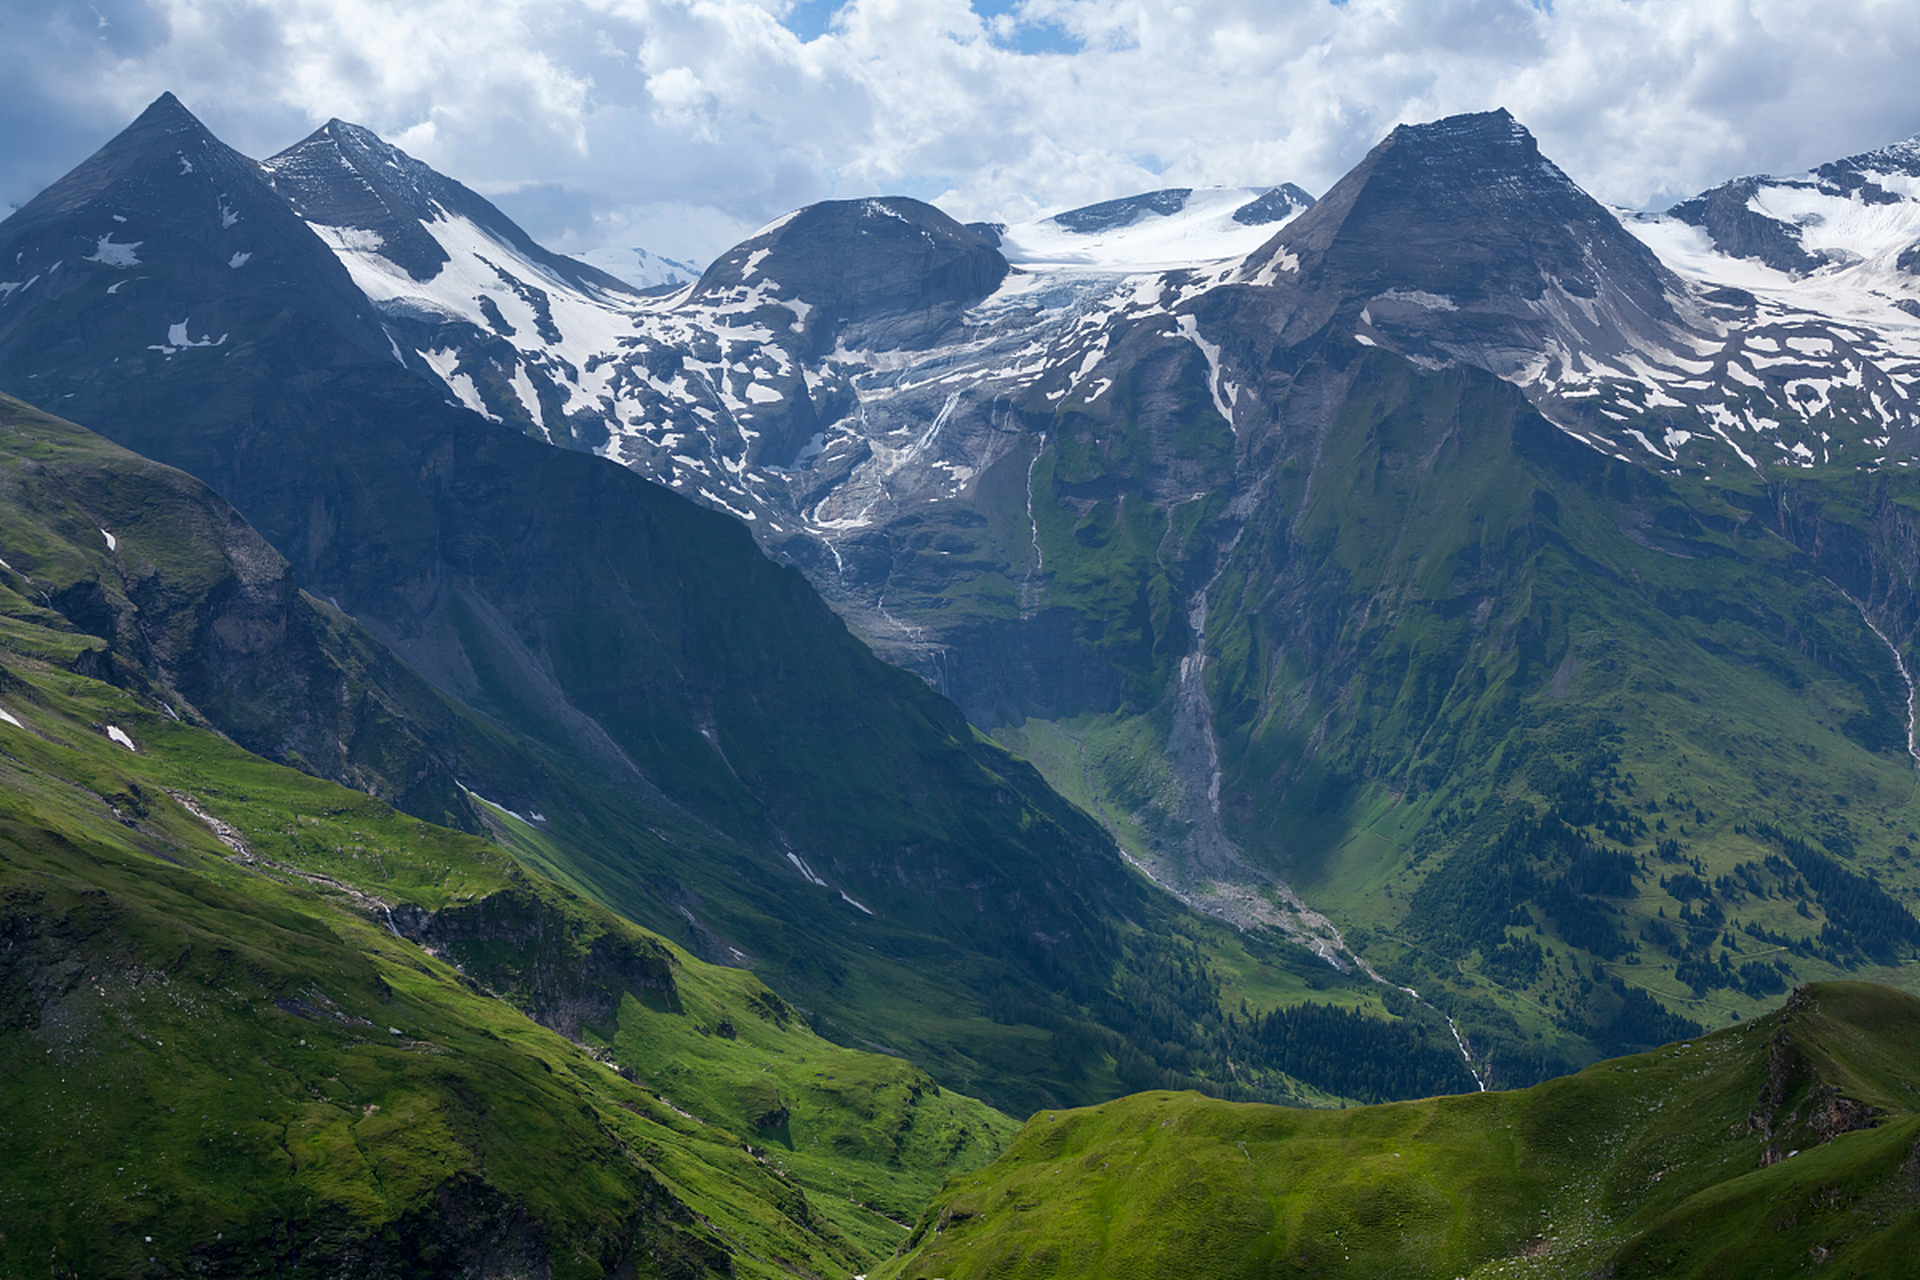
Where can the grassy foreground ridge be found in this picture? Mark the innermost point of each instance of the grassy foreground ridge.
(1781, 1146)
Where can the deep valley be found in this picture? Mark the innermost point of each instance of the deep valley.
(1217, 733)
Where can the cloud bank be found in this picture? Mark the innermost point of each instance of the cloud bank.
(681, 125)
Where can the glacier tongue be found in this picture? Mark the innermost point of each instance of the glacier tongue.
(1201, 228)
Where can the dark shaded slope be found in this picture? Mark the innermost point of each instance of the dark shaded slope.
(166, 201)
(697, 714)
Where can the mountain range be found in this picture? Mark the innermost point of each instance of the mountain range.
(1427, 637)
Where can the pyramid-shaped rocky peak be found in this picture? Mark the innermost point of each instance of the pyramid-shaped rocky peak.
(1276, 205)
(166, 140)
(166, 179)
(199, 221)
(346, 175)
(1459, 240)
(1467, 209)
(857, 260)
(166, 114)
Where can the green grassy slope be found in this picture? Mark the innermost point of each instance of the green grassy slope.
(1044, 1025)
(230, 1054)
(1779, 1147)
(1586, 754)
(222, 1054)
(1552, 727)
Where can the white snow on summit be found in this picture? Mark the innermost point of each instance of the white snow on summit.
(1865, 289)
(1861, 233)
(641, 269)
(1201, 231)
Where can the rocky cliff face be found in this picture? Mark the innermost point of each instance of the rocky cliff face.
(188, 598)
(563, 971)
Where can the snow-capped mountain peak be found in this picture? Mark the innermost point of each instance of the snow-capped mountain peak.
(462, 291)
(642, 268)
(1860, 209)
(375, 198)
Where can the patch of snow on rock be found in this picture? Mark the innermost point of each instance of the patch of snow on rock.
(114, 255)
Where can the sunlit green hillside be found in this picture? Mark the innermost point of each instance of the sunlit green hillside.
(1782, 1146)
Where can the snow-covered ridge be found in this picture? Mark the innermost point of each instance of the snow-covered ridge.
(1146, 233)
(1817, 296)
(642, 269)
(1787, 370)
(492, 286)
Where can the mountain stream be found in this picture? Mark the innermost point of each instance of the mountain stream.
(1913, 701)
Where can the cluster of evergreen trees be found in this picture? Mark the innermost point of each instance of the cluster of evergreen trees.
(1638, 1022)
(1175, 1035)
(1356, 1055)
(1481, 889)
(1862, 918)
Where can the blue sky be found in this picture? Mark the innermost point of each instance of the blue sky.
(810, 19)
(680, 125)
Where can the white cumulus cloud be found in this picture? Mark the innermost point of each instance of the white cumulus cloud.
(682, 124)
